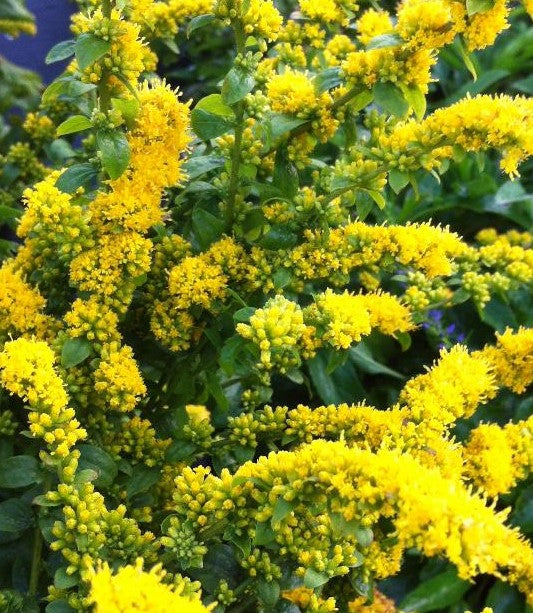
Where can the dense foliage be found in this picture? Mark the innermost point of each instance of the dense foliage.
(266, 345)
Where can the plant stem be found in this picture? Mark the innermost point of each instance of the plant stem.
(103, 91)
(37, 548)
(237, 144)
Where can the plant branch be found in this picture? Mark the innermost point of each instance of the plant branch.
(237, 144)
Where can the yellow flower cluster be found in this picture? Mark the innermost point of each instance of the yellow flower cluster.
(117, 381)
(474, 124)
(276, 329)
(357, 486)
(127, 56)
(496, 458)
(453, 388)
(21, 306)
(27, 369)
(257, 17)
(132, 588)
(58, 228)
(512, 359)
(329, 11)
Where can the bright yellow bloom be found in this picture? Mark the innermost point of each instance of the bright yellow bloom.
(512, 358)
(328, 11)
(117, 381)
(27, 369)
(259, 17)
(292, 92)
(132, 588)
(373, 23)
(21, 305)
(496, 458)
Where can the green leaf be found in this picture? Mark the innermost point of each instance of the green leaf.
(75, 351)
(76, 123)
(377, 197)
(63, 581)
(478, 6)
(279, 237)
(207, 228)
(504, 598)
(8, 213)
(313, 578)
(398, 180)
(361, 100)
(384, 40)
(390, 98)
(285, 176)
(15, 515)
(436, 593)
(327, 79)
(244, 314)
(280, 124)
(141, 480)
(268, 592)
(202, 164)
(416, 99)
(200, 21)
(522, 515)
(129, 109)
(215, 104)
(467, 58)
(498, 315)
(78, 175)
(59, 606)
(362, 356)
(237, 83)
(115, 151)
(281, 509)
(90, 48)
(13, 10)
(263, 534)
(98, 460)
(19, 471)
(61, 51)
(207, 125)
(179, 450)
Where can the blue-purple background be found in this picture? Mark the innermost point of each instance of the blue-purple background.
(53, 18)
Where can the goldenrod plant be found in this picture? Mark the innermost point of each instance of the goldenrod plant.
(240, 367)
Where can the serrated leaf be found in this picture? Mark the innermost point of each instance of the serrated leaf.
(128, 108)
(244, 314)
(19, 471)
(390, 98)
(200, 21)
(59, 606)
(61, 51)
(436, 593)
(78, 175)
(237, 83)
(263, 534)
(115, 151)
(377, 197)
(280, 124)
(76, 123)
(75, 351)
(90, 48)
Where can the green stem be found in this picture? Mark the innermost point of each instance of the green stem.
(37, 548)
(103, 91)
(237, 145)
